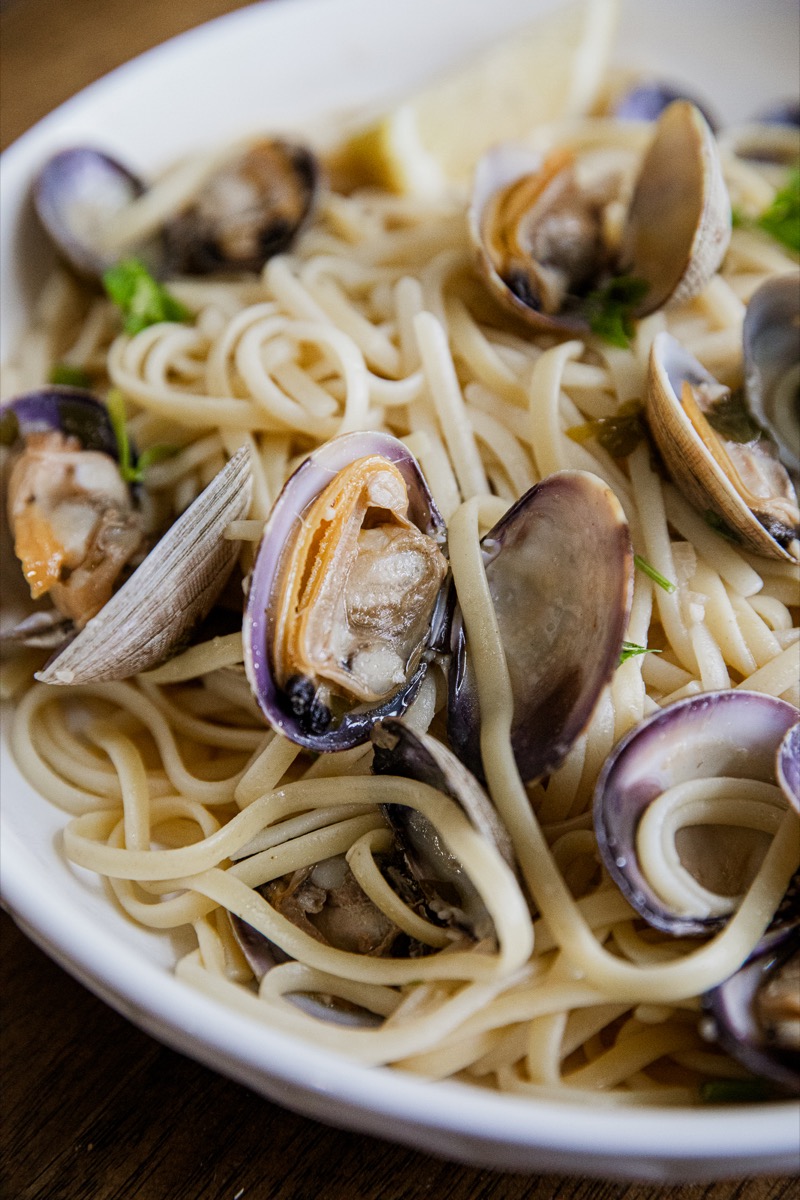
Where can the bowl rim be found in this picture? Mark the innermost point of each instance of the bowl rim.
(674, 1143)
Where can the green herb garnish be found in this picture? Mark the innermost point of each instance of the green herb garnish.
(730, 417)
(610, 309)
(734, 1091)
(67, 375)
(9, 427)
(782, 219)
(142, 299)
(618, 435)
(633, 650)
(653, 574)
(152, 455)
(132, 472)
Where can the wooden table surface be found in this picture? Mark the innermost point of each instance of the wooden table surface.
(93, 1109)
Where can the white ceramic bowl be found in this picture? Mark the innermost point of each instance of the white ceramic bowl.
(272, 66)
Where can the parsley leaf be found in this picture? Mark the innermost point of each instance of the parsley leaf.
(609, 310)
(65, 373)
(619, 435)
(115, 404)
(735, 1091)
(132, 472)
(142, 299)
(632, 650)
(782, 219)
(653, 574)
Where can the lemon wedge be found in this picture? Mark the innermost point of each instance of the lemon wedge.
(545, 72)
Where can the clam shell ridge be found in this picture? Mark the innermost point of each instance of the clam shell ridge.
(168, 594)
(733, 734)
(307, 482)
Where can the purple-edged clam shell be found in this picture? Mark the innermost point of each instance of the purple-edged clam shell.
(311, 477)
(559, 569)
(75, 194)
(66, 410)
(771, 346)
(733, 1017)
(786, 112)
(734, 733)
(647, 101)
(788, 768)
(399, 750)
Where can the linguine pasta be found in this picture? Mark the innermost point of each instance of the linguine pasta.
(186, 804)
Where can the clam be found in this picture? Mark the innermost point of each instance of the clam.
(449, 894)
(559, 569)
(248, 209)
(771, 344)
(77, 192)
(718, 457)
(347, 598)
(168, 594)
(75, 528)
(732, 735)
(544, 241)
(71, 517)
(755, 1014)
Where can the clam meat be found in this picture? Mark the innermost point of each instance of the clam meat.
(347, 597)
(718, 455)
(546, 238)
(71, 515)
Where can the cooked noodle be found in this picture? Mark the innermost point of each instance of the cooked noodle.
(186, 804)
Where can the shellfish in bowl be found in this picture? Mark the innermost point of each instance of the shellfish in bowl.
(75, 527)
(544, 242)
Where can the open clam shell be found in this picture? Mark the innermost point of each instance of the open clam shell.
(755, 1014)
(76, 193)
(400, 750)
(771, 345)
(559, 570)
(732, 734)
(347, 598)
(761, 512)
(71, 411)
(168, 594)
(249, 208)
(540, 234)
(788, 766)
(679, 220)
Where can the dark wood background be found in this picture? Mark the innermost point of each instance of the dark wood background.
(91, 1108)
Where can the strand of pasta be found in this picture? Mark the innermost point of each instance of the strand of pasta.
(699, 970)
